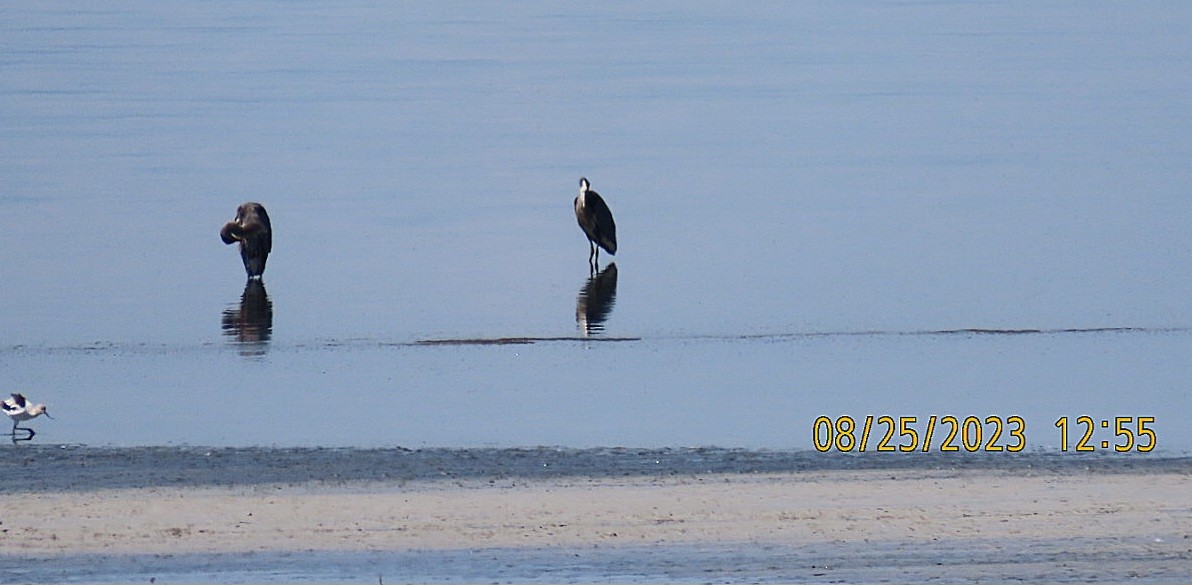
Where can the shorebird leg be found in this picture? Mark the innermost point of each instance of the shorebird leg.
(15, 437)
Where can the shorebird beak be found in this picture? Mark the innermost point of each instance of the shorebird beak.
(47, 415)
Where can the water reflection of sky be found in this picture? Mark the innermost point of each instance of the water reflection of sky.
(776, 174)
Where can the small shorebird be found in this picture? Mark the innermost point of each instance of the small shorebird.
(19, 410)
(596, 220)
(252, 229)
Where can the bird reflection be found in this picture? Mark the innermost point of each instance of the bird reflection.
(596, 300)
(250, 324)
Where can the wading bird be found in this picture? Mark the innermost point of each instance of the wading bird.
(19, 410)
(597, 222)
(251, 228)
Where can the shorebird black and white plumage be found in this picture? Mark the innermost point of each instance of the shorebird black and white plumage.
(19, 409)
(252, 229)
(596, 220)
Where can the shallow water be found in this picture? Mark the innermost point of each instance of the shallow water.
(822, 210)
(1076, 560)
(761, 392)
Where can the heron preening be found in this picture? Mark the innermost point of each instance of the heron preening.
(252, 229)
(596, 220)
(19, 409)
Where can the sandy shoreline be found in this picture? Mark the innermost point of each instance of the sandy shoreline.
(776, 509)
(1128, 526)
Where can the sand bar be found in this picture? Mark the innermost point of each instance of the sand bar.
(967, 524)
(781, 509)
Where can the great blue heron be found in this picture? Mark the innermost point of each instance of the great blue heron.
(251, 228)
(596, 220)
(19, 410)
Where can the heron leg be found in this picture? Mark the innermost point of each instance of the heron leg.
(593, 256)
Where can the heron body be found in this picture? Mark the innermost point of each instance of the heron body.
(596, 219)
(252, 229)
(20, 410)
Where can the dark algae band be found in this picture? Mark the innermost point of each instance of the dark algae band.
(52, 468)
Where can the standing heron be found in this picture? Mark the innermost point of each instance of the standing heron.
(252, 229)
(19, 410)
(596, 220)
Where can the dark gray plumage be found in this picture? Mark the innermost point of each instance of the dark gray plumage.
(596, 220)
(252, 229)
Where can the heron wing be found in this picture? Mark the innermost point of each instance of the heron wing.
(258, 230)
(605, 229)
(262, 216)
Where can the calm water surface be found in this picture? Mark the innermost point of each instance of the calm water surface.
(816, 206)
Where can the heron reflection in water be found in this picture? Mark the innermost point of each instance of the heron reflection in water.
(595, 301)
(250, 323)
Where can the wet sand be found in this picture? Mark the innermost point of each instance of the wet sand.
(1040, 517)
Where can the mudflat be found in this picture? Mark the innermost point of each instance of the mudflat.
(1103, 522)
